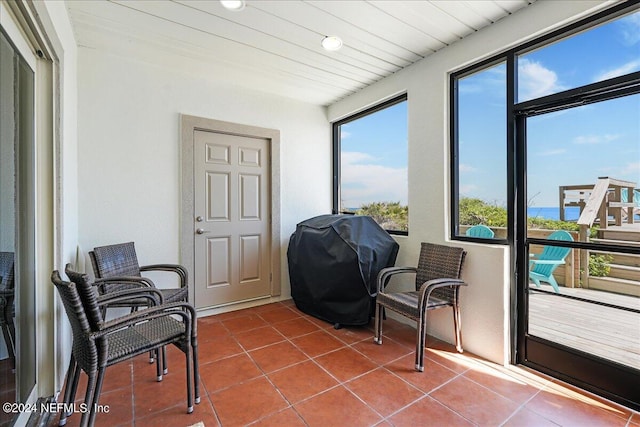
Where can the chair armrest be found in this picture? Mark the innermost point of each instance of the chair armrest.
(386, 273)
(174, 268)
(152, 294)
(431, 285)
(182, 309)
(141, 281)
(546, 261)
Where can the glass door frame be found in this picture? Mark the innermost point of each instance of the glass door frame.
(22, 23)
(583, 370)
(604, 377)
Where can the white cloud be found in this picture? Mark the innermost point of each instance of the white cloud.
(363, 181)
(470, 88)
(552, 152)
(630, 29)
(595, 139)
(344, 134)
(627, 68)
(466, 168)
(468, 190)
(631, 169)
(535, 80)
(491, 81)
(353, 157)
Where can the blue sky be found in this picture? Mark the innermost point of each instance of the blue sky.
(374, 158)
(571, 147)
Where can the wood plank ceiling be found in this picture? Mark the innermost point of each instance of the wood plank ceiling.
(274, 46)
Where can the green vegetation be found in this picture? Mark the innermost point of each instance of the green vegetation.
(390, 215)
(394, 216)
(476, 211)
(599, 265)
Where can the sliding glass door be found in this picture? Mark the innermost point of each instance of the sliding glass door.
(582, 243)
(578, 209)
(17, 225)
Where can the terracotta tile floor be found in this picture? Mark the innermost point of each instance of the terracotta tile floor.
(275, 366)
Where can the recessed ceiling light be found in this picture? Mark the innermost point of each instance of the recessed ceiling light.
(331, 43)
(233, 4)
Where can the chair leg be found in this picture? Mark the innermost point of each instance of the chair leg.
(85, 420)
(457, 327)
(554, 284)
(196, 371)
(10, 343)
(189, 360)
(96, 396)
(165, 369)
(421, 340)
(158, 364)
(74, 388)
(535, 281)
(71, 384)
(377, 338)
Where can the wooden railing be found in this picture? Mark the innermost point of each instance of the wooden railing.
(604, 199)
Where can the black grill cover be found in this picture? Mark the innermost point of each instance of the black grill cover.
(334, 261)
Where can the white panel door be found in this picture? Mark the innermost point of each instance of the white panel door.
(232, 218)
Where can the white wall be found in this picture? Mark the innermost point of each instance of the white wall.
(485, 303)
(129, 149)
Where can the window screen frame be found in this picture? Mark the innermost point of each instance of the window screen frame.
(513, 108)
(337, 147)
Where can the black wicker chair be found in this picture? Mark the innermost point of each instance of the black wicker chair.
(437, 285)
(7, 307)
(120, 261)
(98, 344)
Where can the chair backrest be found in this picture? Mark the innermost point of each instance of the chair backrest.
(84, 349)
(552, 253)
(7, 260)
(439, 262)
(115, 260)
(88, 295)
(480, 231)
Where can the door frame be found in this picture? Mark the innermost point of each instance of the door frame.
(188, 126)
(29, 28)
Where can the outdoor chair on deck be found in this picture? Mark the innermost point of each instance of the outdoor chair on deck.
(98, 344)
(437, 285)
(542, 266)
(7, 308)
(480, 231)
(120, 261)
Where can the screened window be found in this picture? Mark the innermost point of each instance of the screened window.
(370, 165)
(601, 53)
(564, 146)
(481, 169)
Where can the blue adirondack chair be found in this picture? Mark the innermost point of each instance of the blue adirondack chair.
(480, 231)
(542, 266)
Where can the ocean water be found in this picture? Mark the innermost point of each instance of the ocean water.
(570, 214)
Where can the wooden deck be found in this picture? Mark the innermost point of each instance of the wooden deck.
(608, 332)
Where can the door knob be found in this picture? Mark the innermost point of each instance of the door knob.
(201, 231)
(199, 218)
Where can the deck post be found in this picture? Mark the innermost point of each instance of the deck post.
(584, 256)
